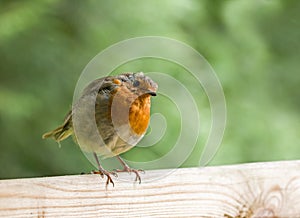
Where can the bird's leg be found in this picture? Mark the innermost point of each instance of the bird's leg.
(129, 170)
(103, 172)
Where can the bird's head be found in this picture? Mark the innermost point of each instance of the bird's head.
(138, 83)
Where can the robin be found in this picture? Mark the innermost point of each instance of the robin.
(110, 117)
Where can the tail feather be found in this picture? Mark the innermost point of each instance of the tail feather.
(59, 133)
(62, 132)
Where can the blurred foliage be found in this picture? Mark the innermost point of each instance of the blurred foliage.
(44, 45)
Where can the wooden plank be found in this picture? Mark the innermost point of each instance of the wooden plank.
(249, 190)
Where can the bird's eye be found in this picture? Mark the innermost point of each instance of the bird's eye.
(136, 83)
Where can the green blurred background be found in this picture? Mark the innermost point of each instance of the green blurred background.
(44, 45)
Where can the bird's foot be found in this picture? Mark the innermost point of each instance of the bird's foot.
(106, 173)
(131, 170)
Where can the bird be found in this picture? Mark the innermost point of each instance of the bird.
(109, 118)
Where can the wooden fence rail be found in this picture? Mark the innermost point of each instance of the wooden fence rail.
(248, 190)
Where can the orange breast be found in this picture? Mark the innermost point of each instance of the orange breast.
(139, 114)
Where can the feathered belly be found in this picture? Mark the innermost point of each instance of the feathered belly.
(119, 129)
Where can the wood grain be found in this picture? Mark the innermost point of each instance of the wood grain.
(249, 190)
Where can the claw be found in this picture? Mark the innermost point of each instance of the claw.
(107, 174)
(141, 171)
(115, 174)
(103, 172)
(130, 170)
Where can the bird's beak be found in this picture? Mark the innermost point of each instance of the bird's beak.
(151, 93)
(148, 92)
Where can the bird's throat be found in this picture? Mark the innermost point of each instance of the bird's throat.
(139, 114)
